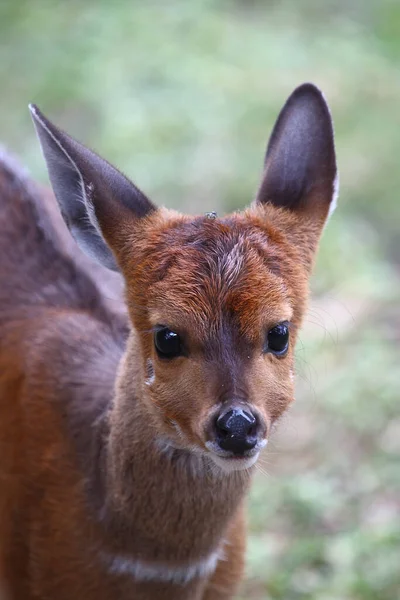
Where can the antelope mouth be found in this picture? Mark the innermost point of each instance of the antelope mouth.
(228, 461)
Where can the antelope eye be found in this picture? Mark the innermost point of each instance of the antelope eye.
(168, 343)
(277, 340)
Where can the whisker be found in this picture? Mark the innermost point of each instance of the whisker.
(261, 470)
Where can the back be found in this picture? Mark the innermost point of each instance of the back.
(40, 264)
(46, 281)
(60, 342)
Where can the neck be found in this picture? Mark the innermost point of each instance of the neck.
(159, 503)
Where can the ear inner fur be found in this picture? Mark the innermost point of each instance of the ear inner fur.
(300, 173)
(95, 199)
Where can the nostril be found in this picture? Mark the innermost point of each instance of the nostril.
(252, 431)
(222, 432)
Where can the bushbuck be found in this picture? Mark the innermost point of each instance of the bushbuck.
(136, 396)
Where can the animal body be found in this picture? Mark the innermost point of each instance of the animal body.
(137, 393)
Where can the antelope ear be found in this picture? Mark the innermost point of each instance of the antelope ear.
(95, 199)
(300, 166)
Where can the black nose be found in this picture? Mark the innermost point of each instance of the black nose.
(236, 431)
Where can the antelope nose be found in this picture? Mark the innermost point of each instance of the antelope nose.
(236, 431)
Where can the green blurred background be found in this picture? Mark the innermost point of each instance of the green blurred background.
(182, 97)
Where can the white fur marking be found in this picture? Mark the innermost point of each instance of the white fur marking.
(159, 572)
(164, 445)
(231, 264)
(177, 429)
(228, 465)
(152, 376)
(335, 196)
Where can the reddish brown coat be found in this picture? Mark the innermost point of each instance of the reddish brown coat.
(107, 486)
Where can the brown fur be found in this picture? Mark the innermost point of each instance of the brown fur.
(214, 310)
(98, 459)
(44, 463)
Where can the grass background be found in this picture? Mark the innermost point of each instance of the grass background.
(182, 96)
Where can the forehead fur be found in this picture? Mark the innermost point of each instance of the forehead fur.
(205, 271)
